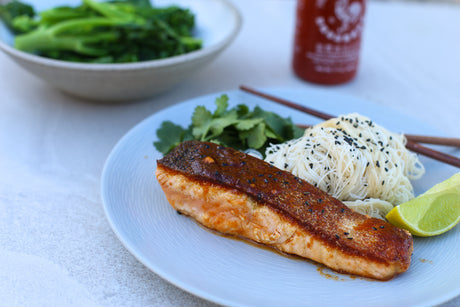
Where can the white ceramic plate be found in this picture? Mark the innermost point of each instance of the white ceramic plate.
(231, 272)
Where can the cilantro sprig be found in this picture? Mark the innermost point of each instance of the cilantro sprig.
(237, 127)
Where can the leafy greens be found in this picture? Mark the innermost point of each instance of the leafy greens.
(237, 127)
(102, 32)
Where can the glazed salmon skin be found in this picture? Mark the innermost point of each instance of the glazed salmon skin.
(236, 194)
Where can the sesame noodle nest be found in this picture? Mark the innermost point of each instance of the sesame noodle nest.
(353, 159)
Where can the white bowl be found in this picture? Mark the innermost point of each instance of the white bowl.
(217, 24)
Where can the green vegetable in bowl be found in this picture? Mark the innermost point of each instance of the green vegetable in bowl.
(14, 14)
(237, 127)
(105, 32)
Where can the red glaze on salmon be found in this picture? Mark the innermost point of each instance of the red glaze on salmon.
(237, 194)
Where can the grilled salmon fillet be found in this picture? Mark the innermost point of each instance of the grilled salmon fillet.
(236, 194)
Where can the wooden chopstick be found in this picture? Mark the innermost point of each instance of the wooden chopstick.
(435, 140)
(411, 144)
(285, 102)
(434, 154)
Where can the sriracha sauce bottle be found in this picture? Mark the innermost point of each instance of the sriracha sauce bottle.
(328, 39)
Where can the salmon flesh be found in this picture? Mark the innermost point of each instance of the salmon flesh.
(236, 194)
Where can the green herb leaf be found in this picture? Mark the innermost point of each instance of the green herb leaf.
(246, 124)
(169, 136)
(256, 138)
(270, 134)
(218, 125)
(237, 127)
(297, 132)
(222, 105)
(201, 121)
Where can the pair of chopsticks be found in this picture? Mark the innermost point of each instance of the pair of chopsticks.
(412, 140)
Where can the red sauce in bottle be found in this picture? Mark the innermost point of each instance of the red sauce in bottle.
(328, 39)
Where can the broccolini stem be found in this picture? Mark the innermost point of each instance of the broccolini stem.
(113, 11)
(72, 35)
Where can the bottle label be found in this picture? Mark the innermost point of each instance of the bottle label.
(339, 24)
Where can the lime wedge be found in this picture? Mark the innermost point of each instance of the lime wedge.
(431, 213)
(451, 183)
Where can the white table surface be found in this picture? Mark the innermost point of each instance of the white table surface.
(56, 246)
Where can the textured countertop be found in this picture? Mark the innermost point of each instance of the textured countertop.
(56, 245)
